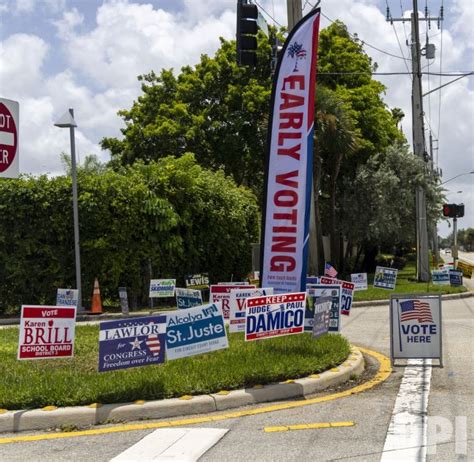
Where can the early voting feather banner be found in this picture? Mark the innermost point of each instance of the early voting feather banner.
(289, 165)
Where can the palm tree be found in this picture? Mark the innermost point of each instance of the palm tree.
(336, 138)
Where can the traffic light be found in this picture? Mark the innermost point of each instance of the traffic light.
(247, 28)
(453, 210)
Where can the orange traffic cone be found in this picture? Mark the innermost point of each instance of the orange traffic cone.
(96, 307)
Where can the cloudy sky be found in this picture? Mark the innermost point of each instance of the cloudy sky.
(86, 54)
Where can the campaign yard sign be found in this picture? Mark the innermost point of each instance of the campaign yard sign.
(311, 280)
(195, 331)
(46, 332)
(275, 316)
(415, 325)
(220, 294)
(360, 281)
(347, 293)
(440, 277)
(132, 343)
(385, 278)
(161, 288)
(237, 304)
(322, 312)
(197, 281)
(187, 298)
(455, 277)
(67, 297)
(326, 290)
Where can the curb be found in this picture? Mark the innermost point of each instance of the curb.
(364, 304)
(82, 416)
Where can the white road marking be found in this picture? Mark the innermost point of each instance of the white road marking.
(6, 138)
(172, 445)
(406, 436)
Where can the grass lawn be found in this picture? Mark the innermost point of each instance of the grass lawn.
(405, 285)
(33, 384)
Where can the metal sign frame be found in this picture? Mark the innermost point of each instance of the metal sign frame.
(398, 297)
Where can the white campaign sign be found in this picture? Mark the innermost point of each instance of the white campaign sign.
(360, 281)
(290, 167)
(237, 304)
(415, 326)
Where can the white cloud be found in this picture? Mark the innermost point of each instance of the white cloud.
(131, 39)
(21, 59)
(67, 24)
(24, 6)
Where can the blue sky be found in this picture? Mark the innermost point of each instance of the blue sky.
(86, 54)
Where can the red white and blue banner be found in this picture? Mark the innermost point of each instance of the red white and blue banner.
(289, 168)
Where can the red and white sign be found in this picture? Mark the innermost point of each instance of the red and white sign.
(9, 120)
(274, 316)
(47, 332)
(221, 294)
(290, 161)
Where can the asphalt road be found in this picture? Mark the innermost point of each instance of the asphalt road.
(450, 401)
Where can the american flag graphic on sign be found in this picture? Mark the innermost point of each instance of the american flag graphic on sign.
(153, 343)
(329, 270)
(415, 310)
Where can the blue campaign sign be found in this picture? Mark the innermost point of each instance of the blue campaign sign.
(187, 298)
(385, 278)
(316, 292)
(132, 343)
(322, 314)
(455, 277)
(195, 331)
(440, 277)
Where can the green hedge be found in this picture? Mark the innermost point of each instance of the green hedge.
(173, 215)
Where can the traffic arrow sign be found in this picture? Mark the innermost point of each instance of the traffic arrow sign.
(9, 121)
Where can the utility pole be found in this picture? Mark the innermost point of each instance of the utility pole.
(454, 251)
(419, 145)
(295, 13)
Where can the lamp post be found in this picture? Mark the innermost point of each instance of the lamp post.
(67, 121)
(457, 176)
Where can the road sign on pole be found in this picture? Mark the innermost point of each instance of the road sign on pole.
(9, 122)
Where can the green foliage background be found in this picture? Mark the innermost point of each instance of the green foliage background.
(172, 214)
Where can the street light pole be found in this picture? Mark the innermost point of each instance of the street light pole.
(67, 121)
(457, 176)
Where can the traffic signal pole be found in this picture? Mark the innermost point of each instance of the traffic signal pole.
(454, 251)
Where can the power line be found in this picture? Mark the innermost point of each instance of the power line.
(396, 35)
(363, 42)
(404, 29)
(445, 74)
(268, 14)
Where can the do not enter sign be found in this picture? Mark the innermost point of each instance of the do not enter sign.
(9, 120)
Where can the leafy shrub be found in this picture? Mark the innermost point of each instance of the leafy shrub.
(172, 217)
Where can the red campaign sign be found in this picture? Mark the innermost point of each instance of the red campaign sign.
(47, 332)
(8, 138)
(275, 316)
(221, 293)
(270, 299)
